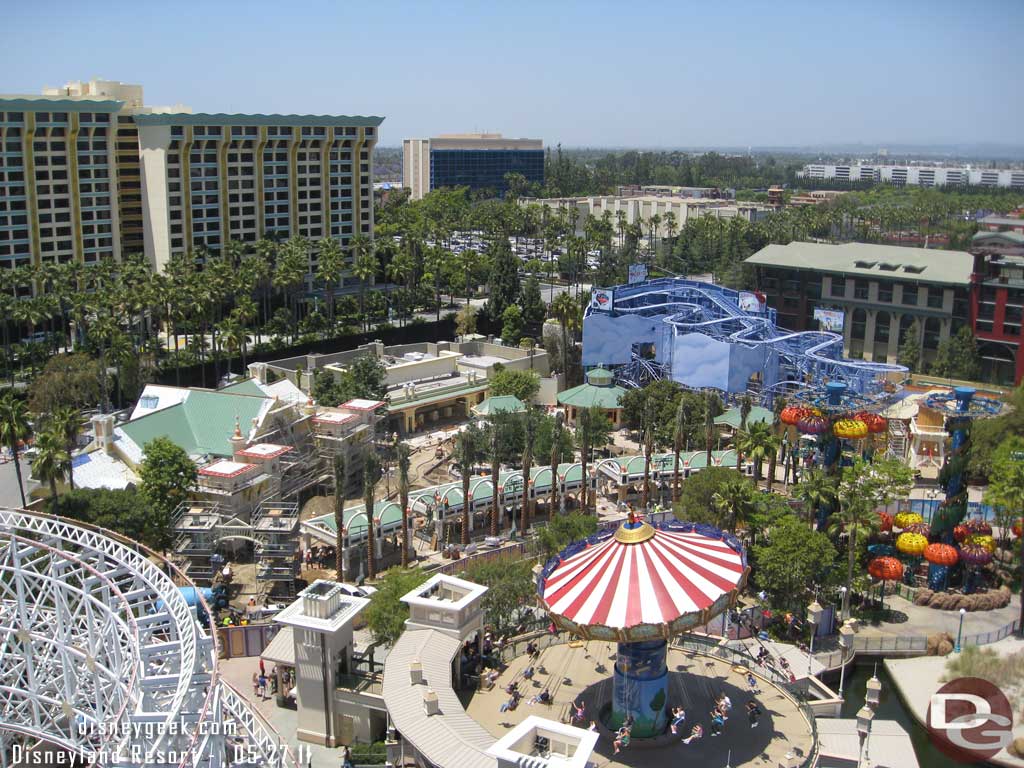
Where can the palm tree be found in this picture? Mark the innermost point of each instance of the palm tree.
(778, 403)
(496, 427)
(758, 443)
(566, 311)
(649, 419)
(329, 266)
(364, 267)
(733, 501)
(339, 514)
(14, 429)
(66, 421)
(816, 489)
(531, 420)
(371, 475)
(712, 408)
(53, 463)
(467, 451)
(681, 428)
(746, 406)
(402, 460)
(556, 449)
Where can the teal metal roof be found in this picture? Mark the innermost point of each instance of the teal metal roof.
(757, 415)
(588, 395)
(389, 512)
(32, 104)
(1013, 237)
(219, 118)
(202, 424)
(499, 404)
(244, 387)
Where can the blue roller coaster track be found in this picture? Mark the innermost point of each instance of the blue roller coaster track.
(805, 359)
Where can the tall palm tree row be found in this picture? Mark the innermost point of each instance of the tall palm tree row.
(467, 453)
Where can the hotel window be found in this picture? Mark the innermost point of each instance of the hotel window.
(909, 294)
(935, 296)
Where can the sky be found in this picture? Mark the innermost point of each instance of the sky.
(716, 73)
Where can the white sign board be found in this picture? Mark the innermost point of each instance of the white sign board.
(637, 273)
(601, 298)
(830, 319)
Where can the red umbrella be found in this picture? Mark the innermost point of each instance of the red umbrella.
(922, 528)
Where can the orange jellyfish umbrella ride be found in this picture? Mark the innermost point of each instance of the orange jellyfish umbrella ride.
(639, 586)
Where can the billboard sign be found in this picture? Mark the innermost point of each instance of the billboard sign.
(751, 302)
(601, 298)
(637, 273)
(830, 319)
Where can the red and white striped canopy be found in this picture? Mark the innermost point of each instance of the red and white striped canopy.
(668, 580)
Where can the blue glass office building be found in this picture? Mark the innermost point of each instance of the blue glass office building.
(484, 168)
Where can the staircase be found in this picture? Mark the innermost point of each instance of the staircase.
(897, 447)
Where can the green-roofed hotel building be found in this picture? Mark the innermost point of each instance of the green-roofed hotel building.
(88, 172)
(878, 292)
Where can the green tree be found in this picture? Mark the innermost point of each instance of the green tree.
(66, 380)
(567, 312)
(510, 590)
(534, 309)
(1006, 484)
(122, 511)
(53, 463)
(364, 267)
(386, 614)
(329, 266)
(559, 436)
(501, 441)
(510, 381)
(465, 320)
(167, 475)
(957, 357)
(696, 494)
(503, 284)
(14, 430)
(733, 501)
(909, 353)
(66, 422)
(565, 529)
(790, 561)
(863, 488)
(512, 325)
(364, 377)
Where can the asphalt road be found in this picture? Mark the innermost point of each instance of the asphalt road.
(9, 496)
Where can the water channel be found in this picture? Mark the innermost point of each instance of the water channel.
(891, 708)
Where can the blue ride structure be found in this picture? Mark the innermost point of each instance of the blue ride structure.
(708, 336)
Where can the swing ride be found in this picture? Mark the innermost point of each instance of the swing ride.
(639, 586)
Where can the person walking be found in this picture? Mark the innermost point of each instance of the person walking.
(753, 712)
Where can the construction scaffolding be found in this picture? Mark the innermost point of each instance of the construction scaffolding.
(275, 528)
(196, 533)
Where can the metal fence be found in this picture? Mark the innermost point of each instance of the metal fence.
(507, 552)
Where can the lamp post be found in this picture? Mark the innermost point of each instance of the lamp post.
(845, 643)
(814, 612)
(960, 630)
(864, 718)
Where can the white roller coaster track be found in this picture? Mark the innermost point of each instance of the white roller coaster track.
(101, 655)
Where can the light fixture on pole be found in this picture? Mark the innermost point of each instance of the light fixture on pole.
(864, 718)
(960, 630)
(845, 643)
(814, 613)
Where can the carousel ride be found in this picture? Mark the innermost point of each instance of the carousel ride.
(639, 586)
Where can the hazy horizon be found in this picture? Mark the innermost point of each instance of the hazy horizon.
(801, 75)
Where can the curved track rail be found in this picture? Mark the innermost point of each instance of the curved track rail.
(688, 306)
(100, 655)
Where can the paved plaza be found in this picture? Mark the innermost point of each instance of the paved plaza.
(583, 670)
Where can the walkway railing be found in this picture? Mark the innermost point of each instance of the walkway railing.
(908, 644)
